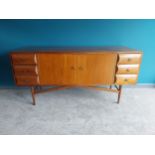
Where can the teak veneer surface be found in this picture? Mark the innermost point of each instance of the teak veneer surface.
(74, 50)
(80, 67)
(77, 69)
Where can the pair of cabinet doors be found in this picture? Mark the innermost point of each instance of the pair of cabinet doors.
(76, 69)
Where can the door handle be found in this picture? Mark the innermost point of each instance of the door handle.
(127, 70)
(126, 80)
(80, 68)
(72, 67)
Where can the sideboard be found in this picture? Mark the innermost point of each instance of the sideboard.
(85, 68)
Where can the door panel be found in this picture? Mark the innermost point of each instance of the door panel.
(96, 69)
(69, 74)
(56, 69)
(76, 69)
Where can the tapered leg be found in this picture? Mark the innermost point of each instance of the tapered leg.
(119, 93)
(33, 95)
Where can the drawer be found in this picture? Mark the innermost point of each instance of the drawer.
(129, 59)
(23, 59)
(128, 69)
(27, 80)
(25, 70)
(126, 79)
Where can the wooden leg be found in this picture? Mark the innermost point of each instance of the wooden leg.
(33, 95)
(119, 93)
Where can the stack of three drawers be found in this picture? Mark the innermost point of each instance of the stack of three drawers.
(128, 66)
(25, 69)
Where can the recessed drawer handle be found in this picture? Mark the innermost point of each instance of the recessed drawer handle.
(129, 59)
(126, 80)
(127, 70)
(20, 60)
(26, 71)
(72, 67)
(25, 80)
(80, 68)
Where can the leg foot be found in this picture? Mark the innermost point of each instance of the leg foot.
(33, 95)
(119, 93)
(110, 86)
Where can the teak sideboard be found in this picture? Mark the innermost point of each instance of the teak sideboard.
(87, 68)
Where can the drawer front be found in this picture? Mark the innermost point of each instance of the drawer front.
(25, 70)
(129, 59)
(126, 79)
(128, 69)
(24, 59)
(27, 80)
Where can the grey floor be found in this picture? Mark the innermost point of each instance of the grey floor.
(78, 111)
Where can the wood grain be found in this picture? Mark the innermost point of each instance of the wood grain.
(124, 79)
(128, 69)
(55, 69)
(25, 70)
(76, 69)
(85, 69)
(129, 58)
(96, 69)
(27, 80)
(24, 59)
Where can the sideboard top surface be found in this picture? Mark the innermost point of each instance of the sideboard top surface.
(105, 49)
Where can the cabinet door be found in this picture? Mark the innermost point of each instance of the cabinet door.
(56, 69)
(94, 69)
(69, 70)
